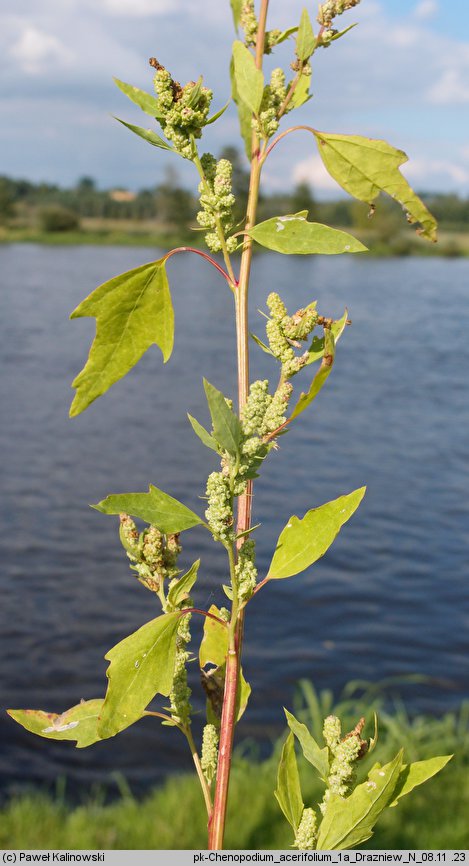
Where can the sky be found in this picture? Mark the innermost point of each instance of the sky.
(402, 74)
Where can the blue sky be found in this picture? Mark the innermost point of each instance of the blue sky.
(402, 75)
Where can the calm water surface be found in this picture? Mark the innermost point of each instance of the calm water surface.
(390, 598)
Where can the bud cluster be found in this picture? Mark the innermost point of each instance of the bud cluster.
(249, 23)
(154, 555)
(274, 95)
(209, 756)
(284, 333)
(217, 202)
(329, 10)
(180, 706)
(307, 832)
(219, 512)
(345, 753)
(246, 571)
(184, 110)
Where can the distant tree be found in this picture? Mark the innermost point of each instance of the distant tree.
(302, 199)
(7, 200)
(57, 219)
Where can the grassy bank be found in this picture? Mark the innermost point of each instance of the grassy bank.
(131, 233)
(172, 817)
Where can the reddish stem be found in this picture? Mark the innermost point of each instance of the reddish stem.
(204, 256)
(203, 613)
(287, 132)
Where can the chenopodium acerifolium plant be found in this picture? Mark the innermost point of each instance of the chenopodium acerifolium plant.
(132, 312)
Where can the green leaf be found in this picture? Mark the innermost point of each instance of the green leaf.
(341, 33)
(214, 650)
(180, 590)
(285, 34)
(301, 94)
(145, 101)
(132, 312)
(364, 167)
(262, 345)
(294, 235)
(78, 724)
(147, 134)
(236, 8)
(303, 542)
(288, 792)
(226, 425)
(154, 507)
(316, 756)
(195, 93)
(415, 774)
(218, 114)
(203, 434)
(316, 349)
(305, 40)
(349, 822)
(244, 114)
(321, 376)
(249, 79)
(141, 666)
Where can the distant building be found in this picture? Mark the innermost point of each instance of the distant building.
(122, 195)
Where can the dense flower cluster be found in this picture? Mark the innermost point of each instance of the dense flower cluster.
(329, 10)
(267, 123)
(246, 571)
(179, 697)
(217, 202)
(307, 831)
(284, 333)
(345, 752)
(219, 512)
(184, 110)
(249, 23)
(209, 756)
(154, 555)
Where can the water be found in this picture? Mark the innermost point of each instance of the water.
(390, 598)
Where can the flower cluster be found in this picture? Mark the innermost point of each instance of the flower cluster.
(219, 512)
(180, 707)
(274, 95)
(345, 752)
(246, 571)
(217, 202)
(284, 333)
(209, 756)
(307, 831)
(154, 555)
(249, 23)
(327, 13)
(184, 110)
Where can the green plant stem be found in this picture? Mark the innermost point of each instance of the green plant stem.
(203, 782)
(233, 661)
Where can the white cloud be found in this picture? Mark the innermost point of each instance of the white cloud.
(426, 9)
(36, 51)
(312, 171)
(140, 8)
(451, 88)
(426, 171)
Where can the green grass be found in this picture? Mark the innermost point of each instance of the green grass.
(172, 816)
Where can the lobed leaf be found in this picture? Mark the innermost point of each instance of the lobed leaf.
(226, 425)
(132, 311)
(294, 235)
(155, 507)
(147, 134)
(349, 822)
(249, 79)
(321, 376)
(364, 167)
(145, 101)
(305, 41)
(313, 753)
(180, 590)
(288, 791)
(79, 724)
(415, 774)
(203, 434)
(303, 542)
(141, 666)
